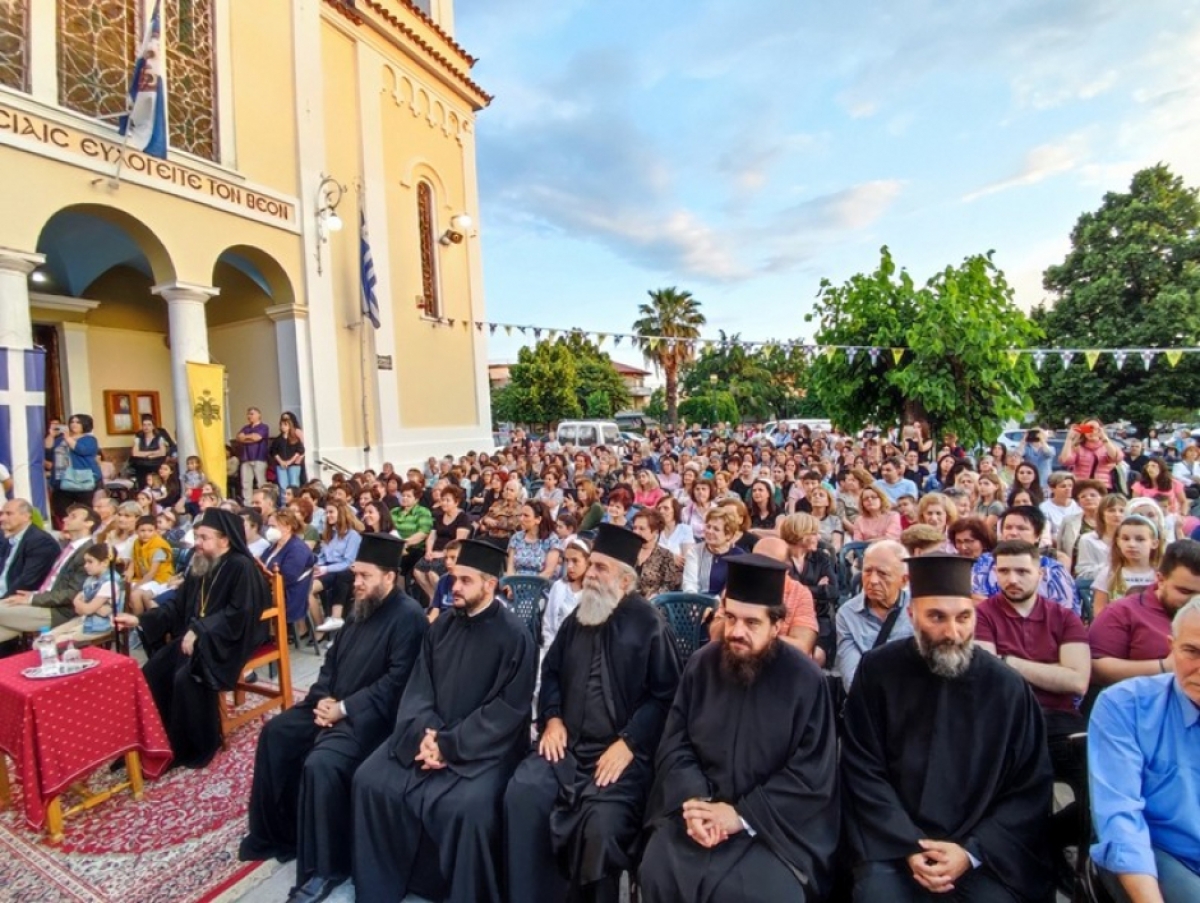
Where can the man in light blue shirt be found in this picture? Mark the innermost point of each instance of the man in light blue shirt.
(861, 618)
(892, 482)
(1144, 761)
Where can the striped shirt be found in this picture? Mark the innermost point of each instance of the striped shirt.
(417, 519)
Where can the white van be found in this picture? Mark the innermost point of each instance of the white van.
(780, 431)
(589, 433)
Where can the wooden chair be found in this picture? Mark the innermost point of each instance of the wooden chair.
(273, 652)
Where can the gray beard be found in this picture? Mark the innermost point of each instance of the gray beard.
(949, 661)
(364, 608)
(200, 565)
(596, 606)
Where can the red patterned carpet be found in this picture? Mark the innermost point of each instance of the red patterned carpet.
(177, 845)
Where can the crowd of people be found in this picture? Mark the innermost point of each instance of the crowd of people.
(904, 637)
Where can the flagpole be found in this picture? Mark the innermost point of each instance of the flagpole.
(362, 336)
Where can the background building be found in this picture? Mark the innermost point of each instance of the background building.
(285, 118)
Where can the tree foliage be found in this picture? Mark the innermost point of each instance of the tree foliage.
(713, 407)
(1131, 279)
(566, 378)
(764, 382)
(954, 333)
(671, 314)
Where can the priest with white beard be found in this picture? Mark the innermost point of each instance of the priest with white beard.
(573, 809)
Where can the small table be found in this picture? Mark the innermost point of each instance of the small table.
(61, 730)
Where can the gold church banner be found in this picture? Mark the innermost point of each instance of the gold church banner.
(206, 392)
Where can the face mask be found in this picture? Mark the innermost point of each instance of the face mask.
(272, 535)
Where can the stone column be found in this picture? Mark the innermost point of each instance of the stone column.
(291, 341)
(189, 342)
(16, 327)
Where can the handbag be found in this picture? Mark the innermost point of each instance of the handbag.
(77, 479)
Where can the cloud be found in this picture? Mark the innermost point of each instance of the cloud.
(1041, 163)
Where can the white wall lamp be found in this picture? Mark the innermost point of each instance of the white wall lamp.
(460, 225)
(329, 195)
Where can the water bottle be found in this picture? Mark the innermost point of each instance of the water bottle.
(72, 659)
(48, 649)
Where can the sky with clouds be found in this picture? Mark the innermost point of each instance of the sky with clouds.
(745, 150)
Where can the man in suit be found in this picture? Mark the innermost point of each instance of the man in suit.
(52, 602)
(27, 553)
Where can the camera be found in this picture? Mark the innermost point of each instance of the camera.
(1084, 429)
(1033, 436)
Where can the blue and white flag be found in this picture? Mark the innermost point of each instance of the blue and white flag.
(23, 421)
(370, 304)
(145, 125)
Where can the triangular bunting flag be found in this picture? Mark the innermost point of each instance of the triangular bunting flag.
(1119, 358)
(1148, 358)
(1039, 358)
(537, 332)
(1091, 357)
(897, 355)
(829, 351)
(1013, 357)
(521, 329)
(479, 326)
(850, 354)
(1066, 357)
(465, 325)
(1173, 357)
(507, 329)
(492, 328)
(874, 352)
(600, 337)
(450, 322)
(617, 341)
(553, 334)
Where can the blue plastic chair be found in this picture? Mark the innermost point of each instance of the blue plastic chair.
(685, 613)
(526, 596)
(849, 564)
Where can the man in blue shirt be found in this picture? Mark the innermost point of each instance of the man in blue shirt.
(1144, 759)
(892, 482)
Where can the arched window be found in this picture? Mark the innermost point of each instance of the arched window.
(98, 43)
(431, 305)
(14, 44)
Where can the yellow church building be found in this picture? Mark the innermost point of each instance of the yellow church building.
(290, 123)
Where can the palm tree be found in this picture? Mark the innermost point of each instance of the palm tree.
(671, 314)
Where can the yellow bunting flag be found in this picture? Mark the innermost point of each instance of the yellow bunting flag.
(507, 329)
(1174, 357)
(829, 351)
(206, 392)
(1013, 357)
(897, 354)
(1091, 357)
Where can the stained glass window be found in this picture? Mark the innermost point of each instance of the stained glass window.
(191, 76)
(430, 303)
(14, 44)
(97, 46)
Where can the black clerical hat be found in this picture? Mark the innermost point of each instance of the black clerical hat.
(619, 543)
(756, 579)
(381, 550)
(227, 523)
(483, 557)
(939, 575)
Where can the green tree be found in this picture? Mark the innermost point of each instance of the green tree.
(595, 375)
(765, 381)
(954, 371)
(672, 315)
(1131, 279)
(717, 406)
(542, 386)
(656, 405)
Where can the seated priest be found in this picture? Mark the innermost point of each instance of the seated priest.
(427, 802)
(945, 767)
(300, 800)
(573, 810)
(745, 799)
(213, 624)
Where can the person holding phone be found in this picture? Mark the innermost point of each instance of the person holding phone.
(1090, 452)
(1035, 450)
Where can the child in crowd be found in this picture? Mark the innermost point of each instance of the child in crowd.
(565, 526)
(564, 594)
(193, 479)
(153, 565)
(1132, 562)
(443, 593)
(906, 506)
(93, 603)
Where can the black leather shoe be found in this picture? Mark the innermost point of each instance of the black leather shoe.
(314, 890)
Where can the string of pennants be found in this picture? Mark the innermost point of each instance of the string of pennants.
(1040, 356)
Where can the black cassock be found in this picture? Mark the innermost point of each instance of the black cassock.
(963, 760)
(300, 801)
(612, 680)
(770, 751)
(437, 833)
(224, 609)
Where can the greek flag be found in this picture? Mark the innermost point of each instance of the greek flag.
(23, 421)
(145, 125)
(370, 304)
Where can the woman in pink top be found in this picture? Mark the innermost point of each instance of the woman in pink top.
(877, 520)
(648, 491)
(1156, 482)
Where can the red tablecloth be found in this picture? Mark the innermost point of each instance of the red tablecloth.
(59, 731)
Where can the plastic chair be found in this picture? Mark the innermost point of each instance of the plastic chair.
(685, 613)
(526, 596)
